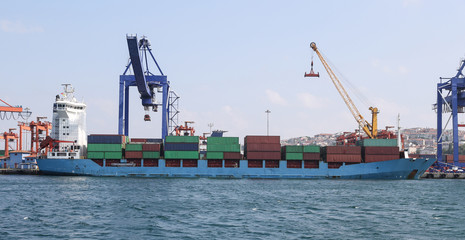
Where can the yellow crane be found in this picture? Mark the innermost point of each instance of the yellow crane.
(370, 129)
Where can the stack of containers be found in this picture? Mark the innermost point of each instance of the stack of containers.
(312, 156)
(293, 154)
(449, 158)
(179, 148)
(110, 147)
(335, 156)
(378, 150)
(259, 148)
(219, 148)
(133, 150)
(151, 152)
(146, 148)
(379, 154)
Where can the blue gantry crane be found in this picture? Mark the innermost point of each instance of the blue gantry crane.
(148, 85)
(450, 99)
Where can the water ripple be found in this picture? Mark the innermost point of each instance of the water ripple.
(42, 207)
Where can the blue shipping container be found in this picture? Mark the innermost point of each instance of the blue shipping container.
(181, 146)
(113, 139)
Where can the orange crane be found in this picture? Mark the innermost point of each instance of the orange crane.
(14, 112)
(36, 128)
(9, 108)
(371, 129)
(185, 130)
(9, 136)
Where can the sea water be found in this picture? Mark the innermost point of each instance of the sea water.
(52, 207)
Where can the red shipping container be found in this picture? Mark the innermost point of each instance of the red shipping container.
(255, 163)
(151, 147)
(294, 164)
(232, 155)
(130, 155)
(343, 150)
(173, 163)
(311, 156)
(311, 164)
(263, 147)
(271, 163)
(138, 140)
(137, 162)
(262, 139)
(450, 158)
(334, 164)
(343, 158)
(381, 150)
(380, 158)
(98, 161)
(214, 163)
(264, 155)
(150, 162)
(189, 163)
(231, 163)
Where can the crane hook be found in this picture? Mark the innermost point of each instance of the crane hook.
(312, 74)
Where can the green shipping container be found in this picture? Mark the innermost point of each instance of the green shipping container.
(134, 147)
(377, 143)
(181, 155)
(222, 140)
(151, 155)
(214, 155)
(96, 155)
(294, 156)
(2, 152)
(294, 149)
(223, 148)
(311, 149)
(182, 139)
(104, 147)
(113, 155)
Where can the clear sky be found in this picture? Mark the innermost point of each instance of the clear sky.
(230, 61)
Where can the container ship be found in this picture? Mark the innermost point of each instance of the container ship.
(72, 152)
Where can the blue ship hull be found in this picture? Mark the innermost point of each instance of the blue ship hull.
(392, 169)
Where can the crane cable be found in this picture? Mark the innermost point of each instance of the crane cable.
(352, 88)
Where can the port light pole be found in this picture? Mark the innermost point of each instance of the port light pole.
(267, 122)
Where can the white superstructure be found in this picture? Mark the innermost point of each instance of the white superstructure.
(69, 124)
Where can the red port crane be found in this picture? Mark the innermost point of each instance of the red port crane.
(36, 128)
(9, 136)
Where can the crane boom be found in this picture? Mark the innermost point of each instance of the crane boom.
(369, 129)
(139, 75)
